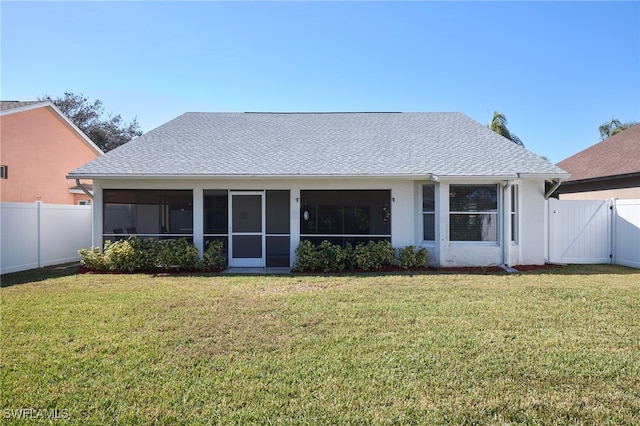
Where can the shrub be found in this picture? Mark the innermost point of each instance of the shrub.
(330, 257)
(383, 254)
(348, 255)
(306, 257)
(374, 255)
(177, 254)
(147, 250)
(120, 256)
(409, 257)
(213, 256)
(149, 254)
(92, 259)
(362, 257)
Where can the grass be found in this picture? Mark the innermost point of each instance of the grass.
(558, 346)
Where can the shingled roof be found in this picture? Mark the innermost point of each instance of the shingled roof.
(319, 144)
(8, 105)
(615, 156)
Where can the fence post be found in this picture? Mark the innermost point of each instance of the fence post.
(612, 228)
(39, 232)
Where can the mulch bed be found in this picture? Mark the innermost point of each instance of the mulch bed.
(457, 270)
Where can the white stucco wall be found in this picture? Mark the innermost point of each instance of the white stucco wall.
(532, 229)
(403, 208)
(406, 214)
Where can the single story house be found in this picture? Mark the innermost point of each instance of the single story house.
(263, 182)
(608, 169)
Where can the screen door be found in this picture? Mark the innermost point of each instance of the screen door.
(247, 242)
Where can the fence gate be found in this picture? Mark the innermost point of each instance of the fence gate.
(580, 231)
(626, 233)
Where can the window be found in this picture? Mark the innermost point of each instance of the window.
(149, 213)
(4, 172)
(343, 217)
(473, 212)
(84, 202)
(513, 213)
(428, 212)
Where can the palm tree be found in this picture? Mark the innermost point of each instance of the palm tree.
(612, 127)
(499, 125)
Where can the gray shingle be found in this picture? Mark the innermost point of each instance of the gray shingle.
(8, 105)
(319, 144)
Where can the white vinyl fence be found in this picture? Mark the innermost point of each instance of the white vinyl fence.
(38, 234)
(626, 233)
(593, 231)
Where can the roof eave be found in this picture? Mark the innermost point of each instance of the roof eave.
(404, 176)
(602, 178)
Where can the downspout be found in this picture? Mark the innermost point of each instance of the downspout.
(506, 213)
(553, 189)
(85, 190)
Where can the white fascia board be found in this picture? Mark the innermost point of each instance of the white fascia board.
(476, 178)
(562, 176)
(75, 129)
(209, 177)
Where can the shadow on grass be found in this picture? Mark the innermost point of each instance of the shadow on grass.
(524, 269)
(39, 274)
(52, 272)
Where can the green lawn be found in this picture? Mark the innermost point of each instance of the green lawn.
(558, 346)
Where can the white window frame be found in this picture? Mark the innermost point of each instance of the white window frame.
(514, 214)
(428, 212)
(495, 213)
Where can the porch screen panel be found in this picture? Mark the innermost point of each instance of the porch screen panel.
(278, 228)
(216, 217)
(147, 213)
(345, 216)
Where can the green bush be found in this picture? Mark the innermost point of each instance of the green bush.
(409, 257)
(147, 250)
(362, 257)
(177, 254)
(213, 256)
(306, 257)
(330, 257)
(120, 256)
(135, 254)
(92, 259)
(374, 255)
(383, 254)
(348, 256)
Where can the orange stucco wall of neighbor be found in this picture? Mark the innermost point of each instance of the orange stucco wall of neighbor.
(39, 150)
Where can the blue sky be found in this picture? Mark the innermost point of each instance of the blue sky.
(556, 69)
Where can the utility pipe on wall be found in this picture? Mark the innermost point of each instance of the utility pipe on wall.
(506, 213)
(85, 190)
(553, 189)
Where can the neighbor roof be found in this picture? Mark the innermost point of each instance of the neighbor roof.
(319, 144)
(615, 156)
(8, 105)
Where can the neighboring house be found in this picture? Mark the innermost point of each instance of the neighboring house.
(38, 147)
(608, 169)
(262, 182)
